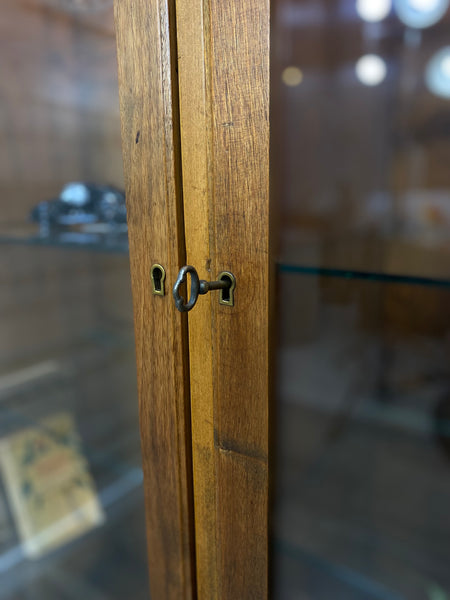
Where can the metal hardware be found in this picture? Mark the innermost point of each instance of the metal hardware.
(226, 296)
(226, 284)
(158, 275)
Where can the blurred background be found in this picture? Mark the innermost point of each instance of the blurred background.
(360, 168)
(361, 148)
(72, 519)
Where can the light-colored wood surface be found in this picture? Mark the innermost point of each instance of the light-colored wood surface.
(196, 141)
(150, 151)
(223, 51)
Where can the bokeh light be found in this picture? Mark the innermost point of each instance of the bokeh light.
(373, 10)
(437, 74)
(292, 76)
(420, 13)
(371, 69)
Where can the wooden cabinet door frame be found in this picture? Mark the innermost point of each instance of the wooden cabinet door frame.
(151, 155)
(194, 88)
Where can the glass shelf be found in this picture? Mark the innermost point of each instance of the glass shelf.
(415, 259)
(299, 262)
(363, 275)
(108, 241)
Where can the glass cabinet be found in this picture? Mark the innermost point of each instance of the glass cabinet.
(285, 164)
(71, 494)
(360, 106)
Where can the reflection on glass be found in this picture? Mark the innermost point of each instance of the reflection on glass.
(371, 69)
(71, 495)
(362, 149)
(292, 76)
(438, 73)
(373, 10)
(363, 481)
(84, 214)
(420, 13)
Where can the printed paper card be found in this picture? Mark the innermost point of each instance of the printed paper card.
(49, 486)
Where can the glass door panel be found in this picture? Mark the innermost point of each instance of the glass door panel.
(360, 130)
(71, 498)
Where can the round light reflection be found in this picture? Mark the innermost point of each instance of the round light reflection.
(437, 73)
(424, 5)
(420, 13)
(371, 69)
(75, 193)
(292, 76)
(373, 10)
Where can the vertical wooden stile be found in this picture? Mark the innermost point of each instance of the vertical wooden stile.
(223, 61)
(146, 43)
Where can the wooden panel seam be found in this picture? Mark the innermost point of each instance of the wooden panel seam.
(196, 143)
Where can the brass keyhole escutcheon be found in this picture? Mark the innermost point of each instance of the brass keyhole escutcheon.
(226, 295)
(158, 275)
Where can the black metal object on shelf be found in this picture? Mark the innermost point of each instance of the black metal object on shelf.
(81, 204)
(85, 214)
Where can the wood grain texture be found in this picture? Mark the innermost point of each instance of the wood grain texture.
(224, 110)
(148, 96)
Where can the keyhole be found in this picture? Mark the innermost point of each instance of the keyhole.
(226, 291)
(227, 294)
(158, 275)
